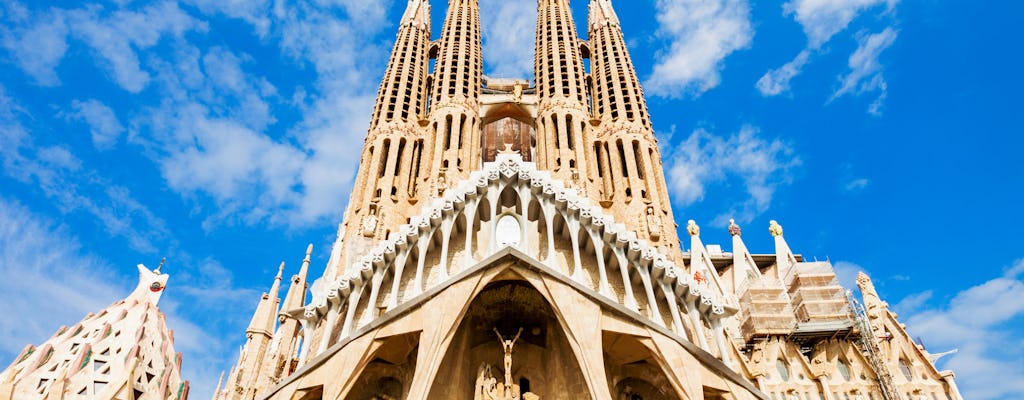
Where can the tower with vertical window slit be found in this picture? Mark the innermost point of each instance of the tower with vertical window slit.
(513, 238)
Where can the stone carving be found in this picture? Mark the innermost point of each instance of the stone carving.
(507, 346)
(775, 229)
(653, 224)
(369, 225)
(488, 388)
(440, 184)
(692, 228)
(734, 230)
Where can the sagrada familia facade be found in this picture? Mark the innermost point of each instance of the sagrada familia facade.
(514, 241)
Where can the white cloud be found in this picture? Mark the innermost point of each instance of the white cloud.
(46, 273)
(914, 302)
(39, 48)
(701, 34)
(509, 30)
(216, 137)
(847, 272)
(865, 73)
(104, 126)
(762, 166)
(117, 37)
(71, 187)
(822, 19)
(856, 185)
(984, 323)
(776, 81)
(255, 12)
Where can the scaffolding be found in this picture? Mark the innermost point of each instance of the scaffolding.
(869, 347)
(819, 302)
(765, 309)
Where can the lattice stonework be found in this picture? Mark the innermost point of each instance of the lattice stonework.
(123, 352)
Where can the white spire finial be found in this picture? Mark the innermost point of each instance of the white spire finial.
(774, 228)
(692, 228)
(734, 230)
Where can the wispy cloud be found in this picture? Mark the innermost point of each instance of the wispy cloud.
(847, 272)
(856, 185)
(46, 272)
(821, 21)
(865, 73)
(38, 48)
(761, 166)
(776, 81)
(116, 38)
(104, 126)
(983, 322)
(509, 28)
(700, 35)
(216, 138)
(73, 187)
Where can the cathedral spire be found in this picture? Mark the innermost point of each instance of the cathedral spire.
(401, 97)
(627, 163)
(394, 145)
(266, 312)
(296, 297)
(457, 83)
(618, 96)
(562, 114)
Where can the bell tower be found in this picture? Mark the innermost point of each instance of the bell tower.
(628, 164)
(454, 120)
(562, 113)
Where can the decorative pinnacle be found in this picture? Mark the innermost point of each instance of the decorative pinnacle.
(158, 267)
(734, 229)
(775, 228)
(692, 228)
(280, 270)
(309, 251)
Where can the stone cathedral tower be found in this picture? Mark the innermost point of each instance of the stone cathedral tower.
(514, 241)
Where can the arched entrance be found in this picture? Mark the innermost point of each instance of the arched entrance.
(541, 361)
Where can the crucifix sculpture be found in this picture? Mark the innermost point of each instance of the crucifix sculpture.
(507, 346)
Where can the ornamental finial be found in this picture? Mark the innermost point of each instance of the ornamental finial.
(692, 228)
(734, 229)
(775, 228)
(158, 267)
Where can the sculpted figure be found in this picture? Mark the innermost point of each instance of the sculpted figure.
(507, 346)
(653, 224)
(369, 225)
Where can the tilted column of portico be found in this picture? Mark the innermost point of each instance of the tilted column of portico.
(392, 169)
(625, 153)
(454, 120)
(563, 116)
(243, 379)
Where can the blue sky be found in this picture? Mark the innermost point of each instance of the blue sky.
(223, 135)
